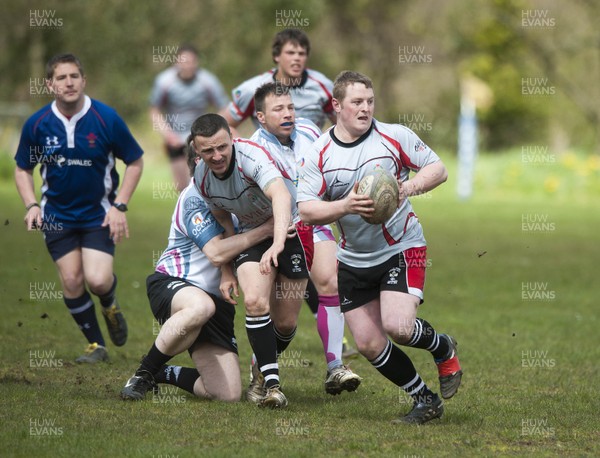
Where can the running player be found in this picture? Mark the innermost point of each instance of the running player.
(76, 141)
(186, 296)
(180, 94)
(381, 267)
(239, 177)
(310, 90)
(285, 137)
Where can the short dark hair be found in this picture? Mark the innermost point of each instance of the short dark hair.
(295, 36)
(65, 58)
(346, 78)
(187, 47)
(272, 88)
(206, 125)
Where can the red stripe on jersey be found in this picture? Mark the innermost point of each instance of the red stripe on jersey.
(98, 116)
(35, 126)
(308, 129)
(404, 159)
(328, 107)
(321, 154)
(244, 114)
(388, 237)
(283, 172)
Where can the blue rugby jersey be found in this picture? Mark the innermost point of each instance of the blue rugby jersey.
(77, 159)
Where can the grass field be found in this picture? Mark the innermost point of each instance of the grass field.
(512, 276)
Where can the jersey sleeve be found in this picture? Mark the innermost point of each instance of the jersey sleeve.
(242, 104)
(125, 147)
(157, 95)
(416, 152)
(200, 224)
(26, 157)
(311, 183)
(257, 164)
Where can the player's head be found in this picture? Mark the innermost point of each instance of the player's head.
(187, 61)
(65, 78)
(275, 110)
(290, 51)
(210, 140)
(353, 101)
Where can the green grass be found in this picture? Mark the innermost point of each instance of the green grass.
(530, 366)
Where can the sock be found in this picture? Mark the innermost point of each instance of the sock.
(396, 366)
(264, 344)
(181, 377)
(283, 341)
(83, 312)
(425, 337)
(330, 325)
(109, 298)
(312, 297)
(154, 360)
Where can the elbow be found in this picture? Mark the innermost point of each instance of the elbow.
(305, 216)
(215, 258)
(444, 175)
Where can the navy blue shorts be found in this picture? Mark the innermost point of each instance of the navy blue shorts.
(60, 240)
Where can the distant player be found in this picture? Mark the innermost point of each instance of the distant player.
(76, 141)
(239, 178)
(180, 94)
(285, 137)
(381, 270)
(310, 90)
(186, 294)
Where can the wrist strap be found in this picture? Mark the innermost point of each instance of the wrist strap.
(30, 206)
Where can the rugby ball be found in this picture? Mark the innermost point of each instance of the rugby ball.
(382, 187)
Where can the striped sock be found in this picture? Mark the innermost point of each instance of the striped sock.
(262, 339)
(83, 312)
(396, 366)
(425, 337)
(283, 341)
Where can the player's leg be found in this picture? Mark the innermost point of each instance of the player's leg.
(179, 168)
(287, 297)
(64, 247)
(219, 370)
(183, 309)
(330, 320)
(405, 328)
(259, 328)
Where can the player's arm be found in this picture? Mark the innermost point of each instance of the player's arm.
(323, 212)
(116, 219)
(25, 188)
(281, 201)
(426, 179)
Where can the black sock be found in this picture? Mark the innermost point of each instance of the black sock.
(264, 344)
(283, 341)
(154, 360)
(396, 366)
(312, 297)
(83, 312)
(425, 337)
(181, 377)
(106, 300)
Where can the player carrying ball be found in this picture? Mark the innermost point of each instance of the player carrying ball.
(381, 271)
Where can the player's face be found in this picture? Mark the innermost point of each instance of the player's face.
(67, 84)
(278, 116)
(215, 151)
(355, 111)
(187, 64)
(291, 63)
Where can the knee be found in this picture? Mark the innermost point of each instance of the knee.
(73, 283)
(199, 313)
(327, 286)
(98, 283)
(256, 305)
(229, 396)
(400, 331)
(371, 348)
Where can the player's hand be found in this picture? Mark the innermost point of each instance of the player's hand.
(33, 218)
(292, 232)
(269, 258)
(117, 223)
(229, 286)
(359, 204)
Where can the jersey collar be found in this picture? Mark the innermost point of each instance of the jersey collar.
(72, 122)
(300, 84)
(356, 142)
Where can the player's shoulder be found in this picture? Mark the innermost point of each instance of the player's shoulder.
(190, 199)
(248, 146)
(43, 112)
(102, 108)
(314, 74)
(166, 76)
(251, 84)
(307, 128)
(397, 131)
